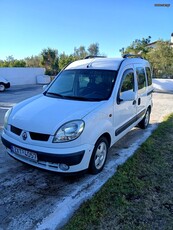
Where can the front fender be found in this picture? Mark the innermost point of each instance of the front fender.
(96, 126)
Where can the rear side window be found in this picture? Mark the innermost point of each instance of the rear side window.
(149, 77)
(141, 78)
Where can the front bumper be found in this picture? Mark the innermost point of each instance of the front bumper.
(75, 159)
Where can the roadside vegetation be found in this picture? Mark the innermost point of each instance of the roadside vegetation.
(140, 194)
(160, 56)
(51, 60)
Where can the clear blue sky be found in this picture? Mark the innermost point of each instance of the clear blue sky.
(29, 26)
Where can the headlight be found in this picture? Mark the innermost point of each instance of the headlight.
(7, 114)
(69, 131)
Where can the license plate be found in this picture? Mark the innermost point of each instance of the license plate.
(25, 153)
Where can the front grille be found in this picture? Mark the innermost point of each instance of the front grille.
(34, 136)
(16, 130)
(39, 136)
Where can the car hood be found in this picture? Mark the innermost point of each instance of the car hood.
(45, 114)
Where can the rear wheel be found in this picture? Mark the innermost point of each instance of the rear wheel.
(99, 155)
(143, 124)
(2, 87)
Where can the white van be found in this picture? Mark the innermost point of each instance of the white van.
(89, 106)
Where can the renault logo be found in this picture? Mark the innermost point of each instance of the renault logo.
(24, 136)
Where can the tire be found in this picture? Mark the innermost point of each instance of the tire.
(99, 156)
(2, 87)
(143, 124)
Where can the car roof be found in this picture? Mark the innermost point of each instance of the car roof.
(103, 63)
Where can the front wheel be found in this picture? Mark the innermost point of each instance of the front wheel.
(143, 124)
(99, 155)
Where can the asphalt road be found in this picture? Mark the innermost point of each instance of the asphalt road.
(31, 198)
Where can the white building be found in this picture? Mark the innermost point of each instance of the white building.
(24, 75)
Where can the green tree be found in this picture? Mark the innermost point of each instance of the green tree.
(93, 49)
(139, 46)
(33, 61)
(18, 63)
(11, 62)
(64, 60)
(50, 61)
(80, 53)
(10, 59)
(161, 58)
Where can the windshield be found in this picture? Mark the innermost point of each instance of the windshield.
(85, 84)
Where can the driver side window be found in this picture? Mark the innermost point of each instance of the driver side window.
(128, 81)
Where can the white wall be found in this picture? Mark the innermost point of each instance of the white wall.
(21, 75)
(165, 85)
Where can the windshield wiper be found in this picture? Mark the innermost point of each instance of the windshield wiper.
(77, 98)
(72, 97)
(55, 94)
(82, 98)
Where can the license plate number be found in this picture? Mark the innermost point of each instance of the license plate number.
(25, 153)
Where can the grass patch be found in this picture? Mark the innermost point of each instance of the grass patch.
(140, 194)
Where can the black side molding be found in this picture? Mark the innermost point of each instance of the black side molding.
(129, 123)
(150, 92)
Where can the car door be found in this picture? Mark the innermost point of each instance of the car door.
(125, 107)
(141, 90)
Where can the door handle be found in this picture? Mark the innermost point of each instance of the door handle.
(139, 101)
(134, 102)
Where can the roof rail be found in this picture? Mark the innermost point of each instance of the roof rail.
(132, 55)
(94, 56)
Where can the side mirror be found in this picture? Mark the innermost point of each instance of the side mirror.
(127, 96)
(45, 87)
